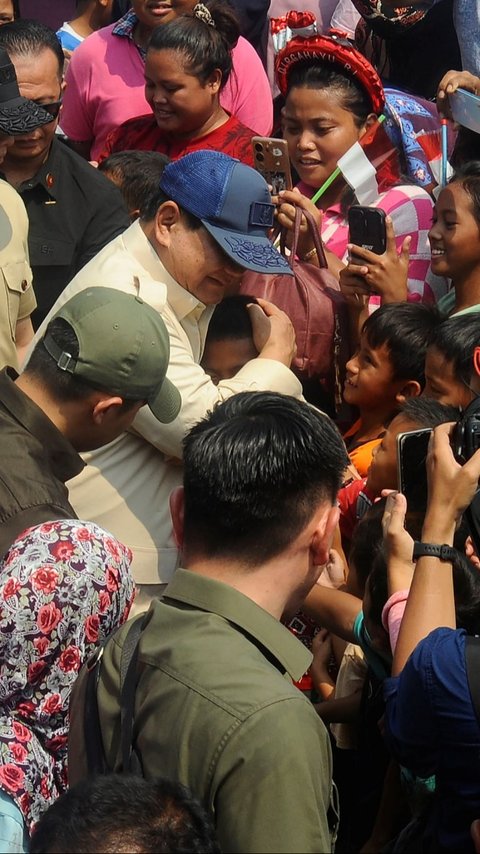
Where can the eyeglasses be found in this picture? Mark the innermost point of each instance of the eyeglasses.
(53, 107)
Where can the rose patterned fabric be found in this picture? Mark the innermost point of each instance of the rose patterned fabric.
(64, 587)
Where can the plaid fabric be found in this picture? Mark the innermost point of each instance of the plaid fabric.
(125, 27)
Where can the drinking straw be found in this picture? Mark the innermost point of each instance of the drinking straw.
(331, 178)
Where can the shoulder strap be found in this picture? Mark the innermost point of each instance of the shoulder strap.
(472, 661)
(95, 754)
(128, 685)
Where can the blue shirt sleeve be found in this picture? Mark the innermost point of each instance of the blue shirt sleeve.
(428, 706)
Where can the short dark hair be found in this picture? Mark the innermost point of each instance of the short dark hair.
(61, 385)
(313, 74)
(456, 339)
(122, 813)
(231, 321)
(427, 412)
(205, 48)
(406, 329)
(25, 37)
(155, 199)
(255, 470)
(137, 174)
(367, 540)
(468, 175)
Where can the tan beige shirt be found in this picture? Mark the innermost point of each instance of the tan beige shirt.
(126, 485)
(17, 299)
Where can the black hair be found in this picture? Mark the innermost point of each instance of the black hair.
(466, 591)
(377, 583)
(155, 198)
(427, 412)
(25, 37)
(122, 813)
(367, 539)
(61, 385)
(468, 175)
(312, 74)
(231, 321)
(255, 469)
(456, 339)
(204, 47)
(406, 329)
(137, 174)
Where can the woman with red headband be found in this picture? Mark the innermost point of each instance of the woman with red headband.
(333, 96)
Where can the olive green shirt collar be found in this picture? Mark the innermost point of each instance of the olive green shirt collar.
(267, 633)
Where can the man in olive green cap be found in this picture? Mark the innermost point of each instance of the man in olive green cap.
(103, 356)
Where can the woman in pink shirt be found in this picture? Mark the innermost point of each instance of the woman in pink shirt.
(105, 78)
(333, 97)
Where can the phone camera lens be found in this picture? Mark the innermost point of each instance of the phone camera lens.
(260, 157)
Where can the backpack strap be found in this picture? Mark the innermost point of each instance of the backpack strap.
(95, 753)
(128, 685)
(472, 662)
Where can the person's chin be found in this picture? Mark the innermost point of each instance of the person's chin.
(313, 176)
(349, 393)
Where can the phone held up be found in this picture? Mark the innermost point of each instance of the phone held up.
(412, 448)
(272, 161)
(465, 109)
(366, 227)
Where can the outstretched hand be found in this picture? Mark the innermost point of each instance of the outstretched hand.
(386, 274)
(451, 486)
(450, 82)
(398, 543)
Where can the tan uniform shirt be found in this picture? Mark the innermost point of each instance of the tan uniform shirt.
(127, 484)
(17, 300)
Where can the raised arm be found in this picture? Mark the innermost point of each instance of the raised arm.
(451, 488)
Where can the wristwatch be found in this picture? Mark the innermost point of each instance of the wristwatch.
(444, 552)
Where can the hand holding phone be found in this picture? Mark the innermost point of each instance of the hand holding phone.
(272, 161)
(367, 228)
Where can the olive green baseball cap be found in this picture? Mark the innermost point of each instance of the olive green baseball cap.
(124, 348)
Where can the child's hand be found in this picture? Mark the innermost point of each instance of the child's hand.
(450, 82)
(333, 574)
(322, 654)
(287, 202)
(385, 274)
(398, 544)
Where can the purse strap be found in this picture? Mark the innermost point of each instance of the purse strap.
(315, 234)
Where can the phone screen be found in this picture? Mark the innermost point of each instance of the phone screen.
(412, 451)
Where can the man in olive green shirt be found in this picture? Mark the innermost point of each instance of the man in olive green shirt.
(215, 707)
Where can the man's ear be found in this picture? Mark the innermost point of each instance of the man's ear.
(177, 512)
(323, 535)
(105, 407)
(410, 389)
(167, 216)
(476, 361)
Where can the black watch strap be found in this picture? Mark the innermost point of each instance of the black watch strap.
(446, 553)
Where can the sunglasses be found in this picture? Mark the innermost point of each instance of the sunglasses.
(53, 107)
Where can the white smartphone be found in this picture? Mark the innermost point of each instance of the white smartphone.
(465, 109)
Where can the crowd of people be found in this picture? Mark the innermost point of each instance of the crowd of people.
(235, 614)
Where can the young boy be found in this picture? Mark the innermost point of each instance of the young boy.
(387, 370)
(90, 15)
(137, 174)
(229, 344)
(448, 363)
(358, 496)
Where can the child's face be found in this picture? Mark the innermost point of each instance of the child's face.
(369, 381)
(223, 359)
(440, 382)
(382, 473)
(455, 234)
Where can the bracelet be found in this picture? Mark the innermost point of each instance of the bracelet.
(442, 552)
(309, 255)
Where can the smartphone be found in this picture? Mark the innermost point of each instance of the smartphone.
(412, 448)
(366, 227)
(465, 108)
(272, 161)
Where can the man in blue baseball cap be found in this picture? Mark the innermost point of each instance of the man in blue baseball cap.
(206, 224)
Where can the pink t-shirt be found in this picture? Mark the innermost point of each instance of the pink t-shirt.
(410, 208)
(105, 87)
